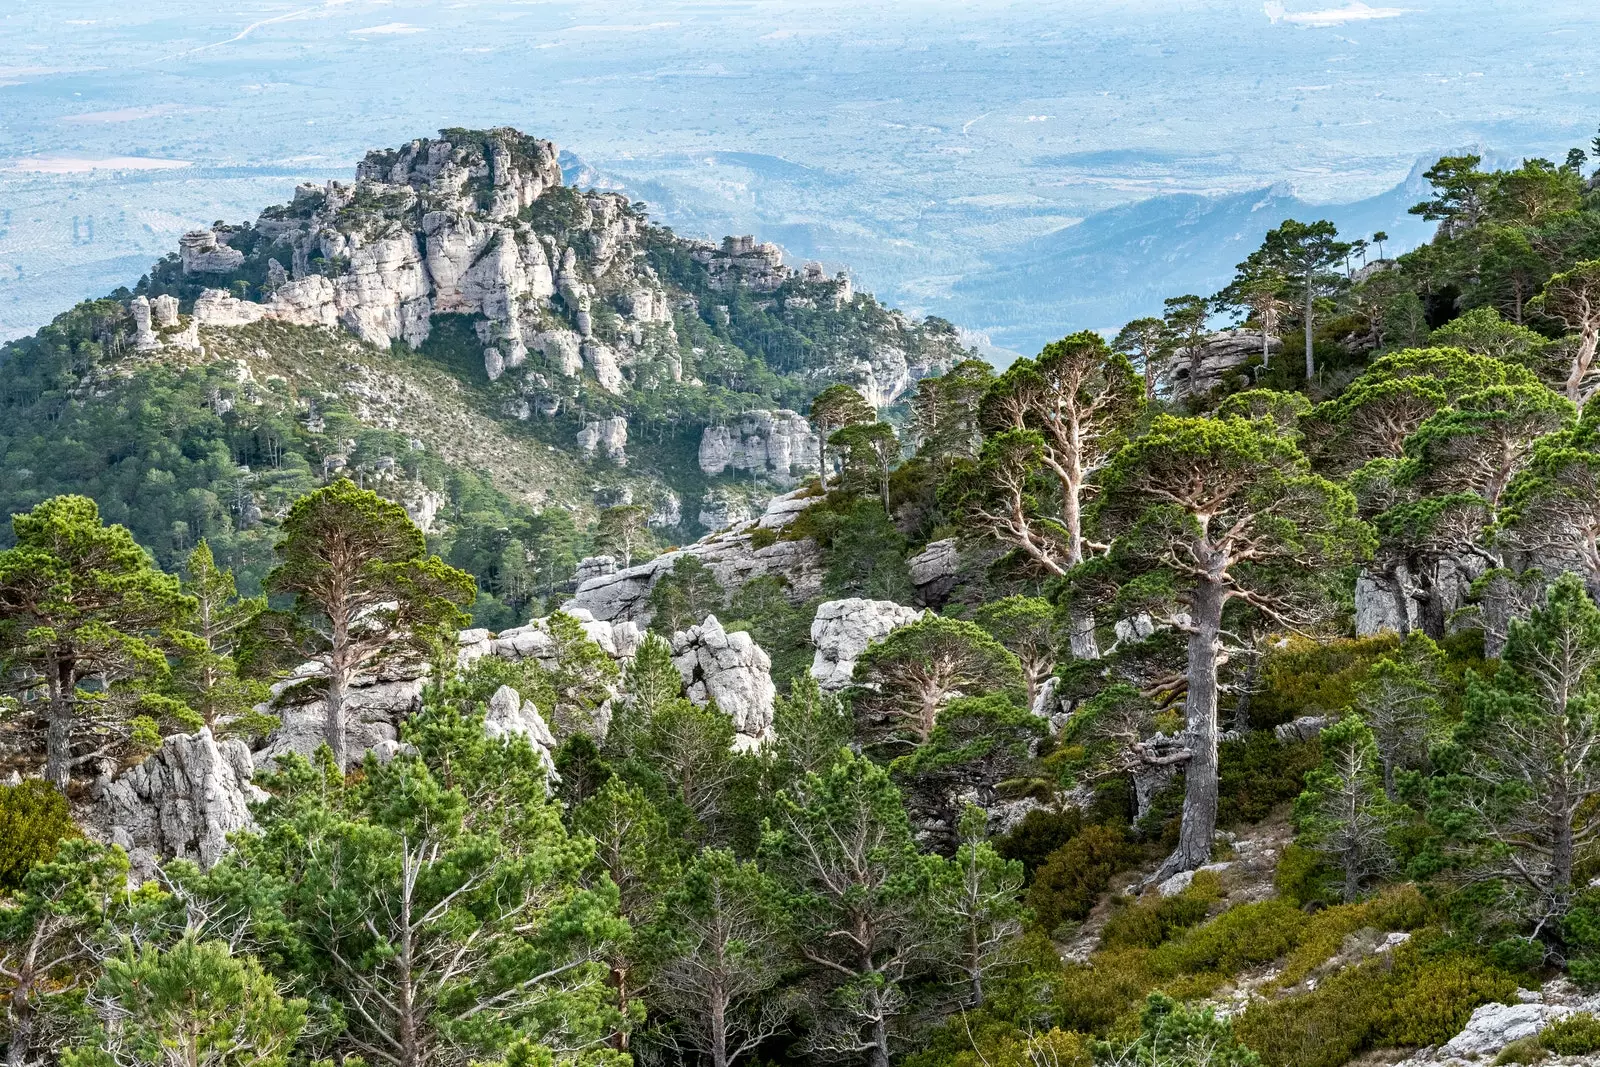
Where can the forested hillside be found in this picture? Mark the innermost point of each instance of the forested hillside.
(1187, 698)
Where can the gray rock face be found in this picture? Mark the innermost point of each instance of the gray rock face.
(1494, 1026)
(732, 670)
(1396, 602)
(374, 708)
(509, 715)
(779, 445)
(732, 557)
(843, 629)
(719, 511)
(933, 571)
(1221, 354)
(182, 802)
(605, 437)
(1305, 728)
(217, 307)
(201, 252)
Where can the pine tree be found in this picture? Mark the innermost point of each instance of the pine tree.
(83, 613)
(206, 676)
(1343, 812)
(364, 585)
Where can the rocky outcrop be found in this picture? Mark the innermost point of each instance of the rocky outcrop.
(619, 640)
(157, 324)
(1494, 1026)
(182, 802)
(1399, 601)
(1221, 354)
(934, 570)
(842, 630)
(720, 510)
(779, 445)
(732, 670)
(508, 715)
(605, 437)
(203, 252)
(1305, 728)
(732, 556)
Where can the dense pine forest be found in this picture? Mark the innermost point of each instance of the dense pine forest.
(1189, 697)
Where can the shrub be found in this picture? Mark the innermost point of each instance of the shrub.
(1397, 1000)
(34, 818)
(1065, 888)
(1149, 923)
(1245, 936)
(1396, 908)
(1576, 1035)
(1303, 877)
(1309, 677)
(763, 537)
(1526, 1051)
(1099, 997)
(1258, 773)
(1039, 834)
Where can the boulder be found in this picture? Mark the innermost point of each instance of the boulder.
(182, 802)
(509, 715)
(201, 252)
(1221, 354)
(144, 338)
(732, 670)
(842, 630)
(216, 307)
(1305, 728)
(933, 571)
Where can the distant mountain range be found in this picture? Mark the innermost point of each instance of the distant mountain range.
(1119, 264)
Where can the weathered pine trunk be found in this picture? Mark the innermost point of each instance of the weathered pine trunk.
(58, 730)
(1311, 357)
(1200, 773)
(1582, 360)
(1080, 635)
(338, 668)
(719, 1029)
(879, 1054)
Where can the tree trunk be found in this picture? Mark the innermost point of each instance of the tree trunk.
(879, 1055)
(719, 1030)
(58, 731)
(1588, 340)
(20, 1040)
(1200, 774)
(1562, 848)
(1081, 638)
(334, 727)
(1311, 358)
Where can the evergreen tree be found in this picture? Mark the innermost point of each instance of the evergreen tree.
(871, 450)
(1210, 512)
(1148, 348)
(722, 949)
(684, 596)
(811, 727)
(82, 616)
(195, 1004)
(1523, 768)
(206, 677)
(364, 586)
(1343, 812)
(1572, 298)
(1399, 700)
(832, 410)
(1306, 253)
(908, 676)
(622, 531)
(1027, 627)
(861, 902)
(980, 900)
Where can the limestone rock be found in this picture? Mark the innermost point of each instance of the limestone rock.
(509, 715)
(374, 707)
(144, 338)
(164, 310)
(842, 630)
(605, 365)
(1221, 354)
(777, 444)
(182, 802)
(201, 252)
(732, 557)
(217, 307)
(562, 349)
(718, 511)
(1305, 728)
(605, 437)
(933, 571)
(732, 670)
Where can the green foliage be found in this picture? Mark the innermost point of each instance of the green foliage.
(812, 727)
(1171, 1035)
(1238, 938)
(905, 679)
(34, 820)
(1066, 887)
(1307, 677)
(1040, 833)
(1259, 772)
(1577, 1034)
(83, 613)
(206, 677)
(1154, 921)
(194, 1003)
(684, 596)
(865, 554)
(1344, 813)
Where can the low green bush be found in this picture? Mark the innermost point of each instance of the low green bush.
(1402, 999)
(1242, 937)
(1396, 908)
(1038, 835)
(1576, 1035)
(34, 818)
(1065, 888)
(1148, 923)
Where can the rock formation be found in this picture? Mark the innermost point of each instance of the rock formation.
(732, 556)
(183, 801)
(1222, 353)
(934, 570)
(779, 445)
(843, 629)
(508, 715)
(605, 437)
(732, 670)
